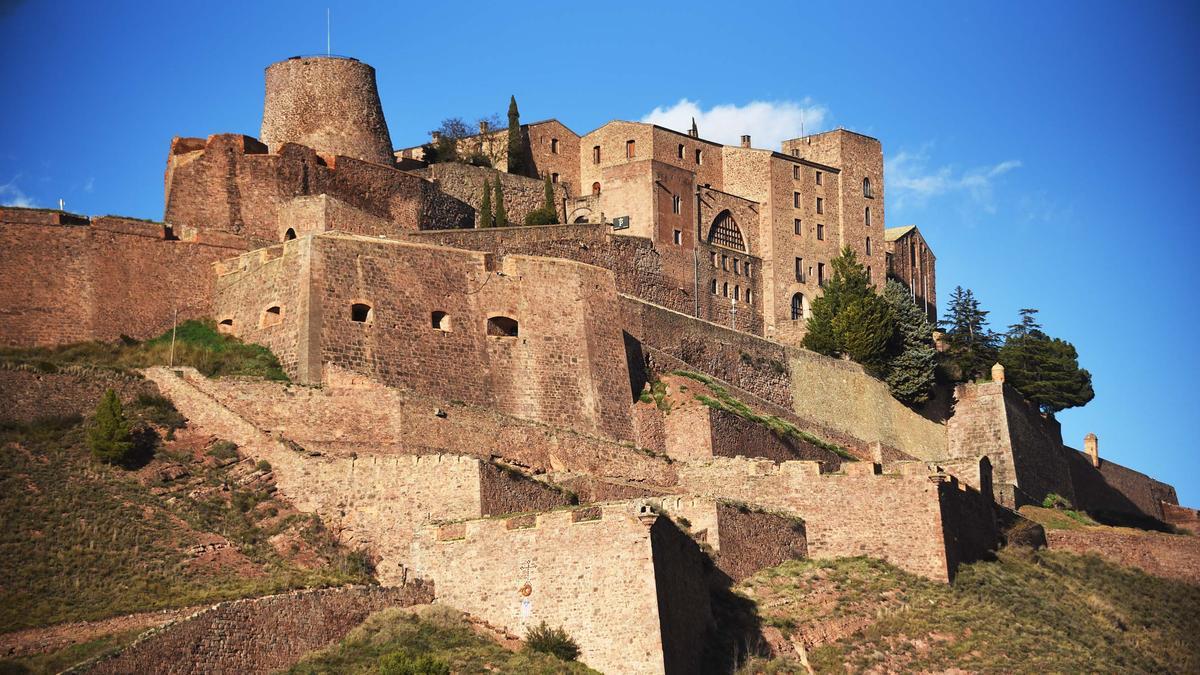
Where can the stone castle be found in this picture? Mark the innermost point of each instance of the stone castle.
(588, 423)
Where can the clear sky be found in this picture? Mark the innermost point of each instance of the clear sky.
(1047, 150)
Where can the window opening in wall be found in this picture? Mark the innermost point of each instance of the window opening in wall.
(226, 326)
(724, 262)
(818, 178)
(796, 200)
(680, 154)
(440, 321)
(796, 173)
(746, 268)
(289, 235)
(795, 152)
(821, 231)
(678, 237)
(797, 306)
(821, 274)
(712, 255)
(676, 204)
(553, 178)
(360, 312)
(725, 289)
(797, 226)
(554, 146)
(868, 246)
(502, 326)
(867, 187)
(596, 155)
(595, 189)
(820, 205)
(749, 297)
(271, 316)
(630, 149)
(737, 292)
(714, 286)
(867, 215)
(800, 269)
(725, 232)
(699, 156)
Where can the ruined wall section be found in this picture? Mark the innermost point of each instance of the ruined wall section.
(465, 183)
(71, 279)
(256, 634)
(27, 394)
(590, 570)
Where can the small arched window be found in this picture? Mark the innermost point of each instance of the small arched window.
(867, 216)
(271, 316)
(289, 235)
(226, 326)
(749, 297)
(502, 326)
(440, 321)
(797, 307)
(867, 187)
(714, 286)
(725, 289)
(361, 312)
(595, 189)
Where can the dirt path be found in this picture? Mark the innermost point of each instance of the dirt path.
(53, 638)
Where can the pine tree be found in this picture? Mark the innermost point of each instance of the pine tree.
(1044, 369)
(912, 367)
(516, 148)
(485, 206)
(501, 213)
(109, 437)
(849, 318)
(972, 345)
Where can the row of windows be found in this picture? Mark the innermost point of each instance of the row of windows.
(737, 291)
(796, 173)
(631, 151)
(802, 276)
(360, 312)
(820, 230)
(739, 267)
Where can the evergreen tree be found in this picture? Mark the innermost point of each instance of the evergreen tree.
(911, 369)
(1044, 369)
(516, 148)
(501, 213)
(864, 331)
(109, 436)
(485, 206)
(549, 198)
(849, 318)
(971, 344)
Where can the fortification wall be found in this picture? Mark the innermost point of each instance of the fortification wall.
(68, 279)
(1115, 489)
(232, 184)
(897, 517)
(547, 157)
(256, 635)
(465, 183)
(590, 570)
(27, 394)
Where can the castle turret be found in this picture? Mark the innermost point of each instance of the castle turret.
(330, 104)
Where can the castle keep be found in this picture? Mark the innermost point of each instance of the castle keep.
(589, 423)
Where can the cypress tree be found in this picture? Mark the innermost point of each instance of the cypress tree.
(911, 369)
(516, 148)
(109, 437)
(501, 214)
(485, 206)
(549, 188)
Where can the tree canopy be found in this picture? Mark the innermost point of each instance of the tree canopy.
(911, 371)
(972, 345)
(1044, 369)
(850, 319)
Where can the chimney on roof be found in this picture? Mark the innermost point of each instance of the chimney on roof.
(1091, 445)
(483, 126)
(694, 132)
(745, 140)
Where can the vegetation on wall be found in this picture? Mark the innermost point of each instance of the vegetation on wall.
(971, 346)
(1044, 369)
(197, 344)
(486, 218)
(459, 142)
(501, 215)
(516, 144)
(548, 213)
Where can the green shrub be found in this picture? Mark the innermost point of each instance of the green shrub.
(109, 436)
(402, 663)
(223, 450)
(542, 216)
(1056, 501)
(263, 465)
(553, 641)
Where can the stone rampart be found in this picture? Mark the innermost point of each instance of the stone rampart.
(70, 279)
(256, 635)
(629, 587)
(27, 394)
(464, 182)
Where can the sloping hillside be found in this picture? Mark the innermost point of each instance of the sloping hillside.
(1028, 611)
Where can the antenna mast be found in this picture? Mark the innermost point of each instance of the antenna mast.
(327, 41)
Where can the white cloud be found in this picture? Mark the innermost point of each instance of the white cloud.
(910, 179)
(90, 184)
(768, 122)
(11, 195)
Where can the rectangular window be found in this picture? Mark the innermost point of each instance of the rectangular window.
(724, 262)
(554, 146)
(820, 232)
(676, 204)
(680, 151)
(735, 266)
(713, 256)
(553, 178)
(630, 149)
(699, 156)
(747, 272)
(737, 292)
(868, 246)
(796, 200)
(800, 269)
(678, 237)
(820, 205)
(596, 155)
(821, 274)
(818, 178)
(796, 173)
(795, 152)
(799, 227)
(714, 287)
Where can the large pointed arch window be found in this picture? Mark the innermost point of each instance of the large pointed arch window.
(725, 232)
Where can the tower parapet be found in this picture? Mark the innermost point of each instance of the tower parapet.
(330, 104)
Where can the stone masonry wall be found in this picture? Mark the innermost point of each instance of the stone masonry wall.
(465, 183)
(589, 570)
(26, 394)
(897, 517)
(68, 279)
(256, 635)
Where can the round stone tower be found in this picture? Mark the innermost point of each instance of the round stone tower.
(328, 103)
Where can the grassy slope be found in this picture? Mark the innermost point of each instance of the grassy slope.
(1028, 611)
(85, 541)
(437, 632)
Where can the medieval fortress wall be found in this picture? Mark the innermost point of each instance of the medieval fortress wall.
(452, 386)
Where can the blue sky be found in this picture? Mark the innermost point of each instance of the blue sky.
(1046, 150)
